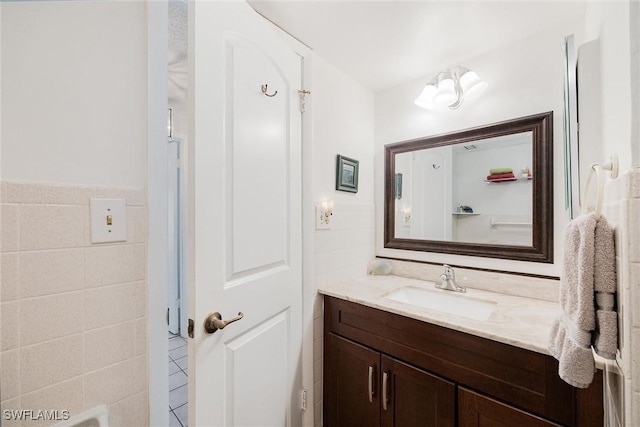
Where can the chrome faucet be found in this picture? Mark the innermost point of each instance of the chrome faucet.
(448, 281)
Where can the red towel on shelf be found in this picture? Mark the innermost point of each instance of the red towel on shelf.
(501, 177)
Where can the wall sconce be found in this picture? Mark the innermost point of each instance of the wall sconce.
(449, 88)
(324, 211)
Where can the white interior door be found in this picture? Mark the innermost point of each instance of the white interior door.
(245, 219)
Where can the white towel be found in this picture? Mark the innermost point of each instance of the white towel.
(588, 281)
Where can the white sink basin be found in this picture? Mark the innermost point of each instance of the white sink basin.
(445, 301)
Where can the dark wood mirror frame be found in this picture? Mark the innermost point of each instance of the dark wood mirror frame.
(541, 126)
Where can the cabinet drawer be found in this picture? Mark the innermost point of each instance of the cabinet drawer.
(523, 378)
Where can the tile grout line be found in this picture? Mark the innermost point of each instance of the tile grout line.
(174, 414)
(179, 419)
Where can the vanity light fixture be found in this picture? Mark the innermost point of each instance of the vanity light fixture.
(449, 88)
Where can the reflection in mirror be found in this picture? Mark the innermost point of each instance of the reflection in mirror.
(453, 196)
(485, 191)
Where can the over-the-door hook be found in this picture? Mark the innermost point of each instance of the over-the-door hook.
(264, 90)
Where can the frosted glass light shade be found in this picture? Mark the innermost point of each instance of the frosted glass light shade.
(471, 84)
(446, 93)
(425, 100)
(449, 88)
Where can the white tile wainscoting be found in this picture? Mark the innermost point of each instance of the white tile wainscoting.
(72, 314)
(341, 252)
(622, 209)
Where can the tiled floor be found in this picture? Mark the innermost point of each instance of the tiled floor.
(177, 381)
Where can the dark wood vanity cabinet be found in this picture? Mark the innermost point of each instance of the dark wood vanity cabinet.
(366, 388)
(383, 369)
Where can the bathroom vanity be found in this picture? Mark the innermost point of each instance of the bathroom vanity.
(392, 363)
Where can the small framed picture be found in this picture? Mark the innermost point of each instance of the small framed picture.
(347, 174)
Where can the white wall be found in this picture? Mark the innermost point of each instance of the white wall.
(609, 22)
(634, 37)
(157, 207)
(74, 99)
(615, 25)
(524, 79)
(343, 123)
(0, 90)
(74, 112)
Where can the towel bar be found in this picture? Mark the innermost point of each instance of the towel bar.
(495, 224)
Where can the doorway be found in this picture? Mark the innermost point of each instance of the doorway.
(176, 287)
(181, 126)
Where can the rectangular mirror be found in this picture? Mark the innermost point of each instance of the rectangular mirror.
(486, 191)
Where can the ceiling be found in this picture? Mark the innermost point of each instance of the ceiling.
(385, 43)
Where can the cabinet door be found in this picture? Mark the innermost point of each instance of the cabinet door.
(411, 397)
(351, 381)
(476, 410)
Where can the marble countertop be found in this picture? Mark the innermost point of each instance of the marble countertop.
(518, 321)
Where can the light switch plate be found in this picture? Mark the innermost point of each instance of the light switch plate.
(108, 220)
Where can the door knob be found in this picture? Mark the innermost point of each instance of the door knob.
(214, 321)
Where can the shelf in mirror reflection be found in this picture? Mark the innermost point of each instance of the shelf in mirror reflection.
(515, 179)
(464, 213)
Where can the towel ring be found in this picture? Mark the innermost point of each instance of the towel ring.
(597, 169)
